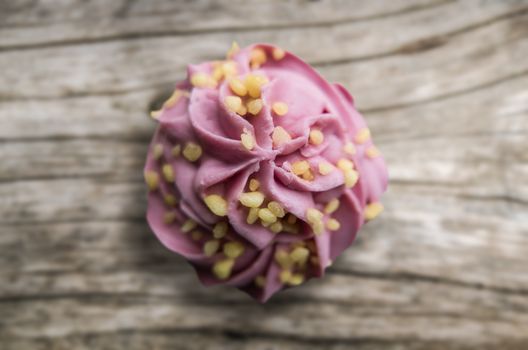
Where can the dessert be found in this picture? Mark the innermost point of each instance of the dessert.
(260, 172)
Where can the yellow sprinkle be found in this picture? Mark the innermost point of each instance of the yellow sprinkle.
(285, 276)
(278, 54)
(372, 152)
(349, 148)
(300, 167)
(188, 225)
(266, 215)
(155, 114)
(280, 108)
(252, 216)
(170, 200)
(315, 218)
(332, 206)
(325, 168)
(290, 228)
(333, 225)
(232, 103)
(345, 164)
(258, 54)
(242, 110)
(253, 84)
(211, 247)
(257, 57)
(265, 224)
(351, 178)
(313, 215)
(168, 172)
(173, 99)
(316, 137)
(157, 151)
(247, 140)
(308, 176)
(197, 235)
(169, 217)
(255, 106)
(238, 87)
(276, 208)
(318, 227)
(176, 150)
(222, 269)
(216, 204)
(372, 210)
(220, 229)
(296, 279)
(152, 179)
(202, 80)
(260, 281)
(299, 256)
(251, 199)
(230, 69)
(254, 184)
(292, 219)
(233, 50)
(192, 151)
(276, 227)
(218, 73)
(233, 249)
(363, 135)
(280, 136)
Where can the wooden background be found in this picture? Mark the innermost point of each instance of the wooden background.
(443, 85)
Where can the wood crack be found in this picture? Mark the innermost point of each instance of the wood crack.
(449, 95)
(424, 43)
(397, 277)
(237, 336)
(407, 276)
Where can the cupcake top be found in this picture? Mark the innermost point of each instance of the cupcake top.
(260, 172)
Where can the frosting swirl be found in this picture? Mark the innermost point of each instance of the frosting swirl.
(260, 171)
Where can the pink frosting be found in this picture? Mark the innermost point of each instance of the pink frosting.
(226, 167)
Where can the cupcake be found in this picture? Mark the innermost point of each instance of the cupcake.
(260, 172)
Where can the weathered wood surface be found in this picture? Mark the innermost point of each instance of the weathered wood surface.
(444, 87)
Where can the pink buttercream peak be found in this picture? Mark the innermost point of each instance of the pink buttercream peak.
(260, 172)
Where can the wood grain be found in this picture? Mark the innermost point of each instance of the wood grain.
(444, 87)
(59, 23)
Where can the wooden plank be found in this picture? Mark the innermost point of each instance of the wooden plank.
(70, 199)
(97, 116)
(393, 313)
(58, 22)
(101, 159)
(171, 339)
(107, 67)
